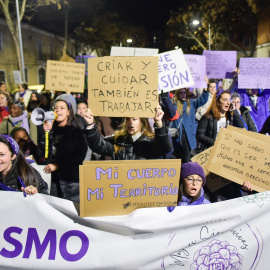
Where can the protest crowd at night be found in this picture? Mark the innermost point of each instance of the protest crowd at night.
(163, 131)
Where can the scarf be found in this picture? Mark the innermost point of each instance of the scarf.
(186, 201)
(23, 118)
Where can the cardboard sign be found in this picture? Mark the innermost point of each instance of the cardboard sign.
(213, 181)
(123, 86)
(241, 155)
(255, 73)
(220, 64)
(173, 71)
(197, 67)
(109, 188)
(64, 76)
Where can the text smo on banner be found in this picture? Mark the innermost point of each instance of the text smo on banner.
(64, 246)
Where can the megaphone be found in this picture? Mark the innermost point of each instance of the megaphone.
(38, 116)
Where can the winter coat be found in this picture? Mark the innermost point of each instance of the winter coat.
(250, 125)
(261, 112)
(71, 151)
(3, 113)
(266, 126)
(188, 120)
(143, 148)
(207, 128)
(26, 97)
(12, 181)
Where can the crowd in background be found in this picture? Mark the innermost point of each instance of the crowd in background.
(186, 122)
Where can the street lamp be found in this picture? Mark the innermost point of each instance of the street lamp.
(196, 22)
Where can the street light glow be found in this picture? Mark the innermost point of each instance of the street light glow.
(195, 22)
(129, 40)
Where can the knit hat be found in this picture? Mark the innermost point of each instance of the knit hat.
(68, 99)
(19, 104)
(192, 168)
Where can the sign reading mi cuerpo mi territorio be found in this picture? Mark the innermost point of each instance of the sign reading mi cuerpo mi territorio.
(241, 155)
(65, 76)
(123, 86)
(110, 188)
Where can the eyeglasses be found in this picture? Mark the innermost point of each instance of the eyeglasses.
(192, 180)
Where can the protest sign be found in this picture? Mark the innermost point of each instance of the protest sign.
(17, 76)
(197, 67)
(255, 73)
(241, 155)
(65, 76)
(119, 187)
(173, 71)
(220, 64)
(45, 232)
(123, 86)
(213, 182)
(132, 51)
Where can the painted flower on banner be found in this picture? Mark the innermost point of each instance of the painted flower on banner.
(217, 255)
(257, 199)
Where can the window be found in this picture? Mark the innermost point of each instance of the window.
(246, 42)
(39, 49)
(2, 76)
(41, 76)
(1, 42)
(26, 74)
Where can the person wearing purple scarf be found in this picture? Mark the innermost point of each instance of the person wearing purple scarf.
(18, 117)
(191, 185)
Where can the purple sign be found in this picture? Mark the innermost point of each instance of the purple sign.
(254, 73)
(197, 67)
(84, 60)
(220, 64)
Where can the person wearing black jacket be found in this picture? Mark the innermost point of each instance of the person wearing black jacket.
(67, 150)
(135, 139)
(15, 172)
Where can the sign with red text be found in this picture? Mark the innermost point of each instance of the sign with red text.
(65, 76)
(173, 71)
(123, 86)
(109, 188)
(241, 155)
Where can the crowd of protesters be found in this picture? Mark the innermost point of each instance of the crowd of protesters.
(183, 125)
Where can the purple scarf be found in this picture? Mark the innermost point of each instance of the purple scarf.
(22, 118)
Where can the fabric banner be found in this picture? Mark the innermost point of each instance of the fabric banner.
(43, 232)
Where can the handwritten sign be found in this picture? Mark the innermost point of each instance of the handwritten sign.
(173, 71)
(220, 64)
(197, 67)
(213, 181)
(65, 76)
(241, 155)
(132, 51)
(255, 73)
(119, 187)
(17, 76)
(123, 86)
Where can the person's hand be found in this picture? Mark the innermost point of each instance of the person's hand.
(158, 116)
(89, 118)
(247, 186)
(206, 79)
(50, 168)
(47, 126)
(29, 190)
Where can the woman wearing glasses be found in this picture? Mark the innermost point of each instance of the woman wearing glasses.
(191, 185)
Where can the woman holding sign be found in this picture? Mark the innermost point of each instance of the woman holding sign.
(134, 140)
(220, 114)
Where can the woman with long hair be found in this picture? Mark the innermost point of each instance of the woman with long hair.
(134, 140)
(15, 172)
(67, 149)
(186, 124)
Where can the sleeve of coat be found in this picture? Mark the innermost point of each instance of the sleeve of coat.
(201, 134)
(237, 120)
(3, 127)
(250, 123)
(42, 186)
(202, 99)
(98, 144)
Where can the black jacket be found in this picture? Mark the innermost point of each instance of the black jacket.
(143, 148)
(207, 128)
(12, 181)
(247, 119)
(71, 151)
